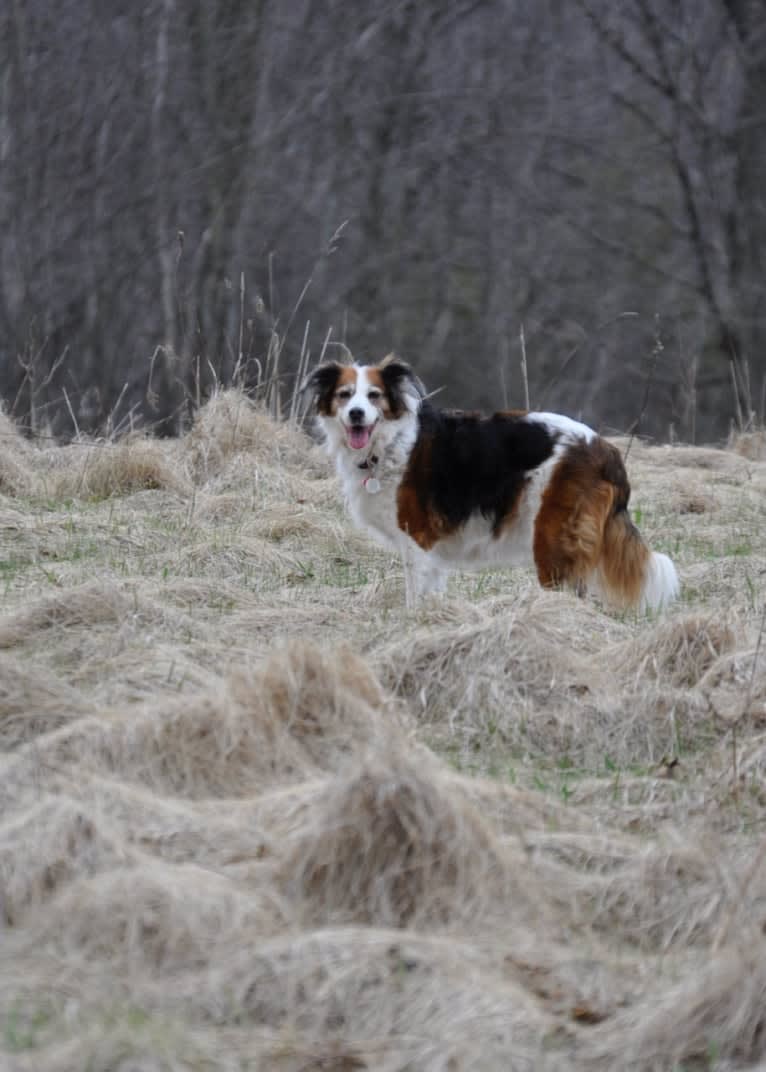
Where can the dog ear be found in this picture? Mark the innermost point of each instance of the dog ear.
(322, 383)
(400, 380)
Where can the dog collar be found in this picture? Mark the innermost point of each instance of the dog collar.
(371, 484)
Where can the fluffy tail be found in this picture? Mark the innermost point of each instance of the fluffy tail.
(629, 573)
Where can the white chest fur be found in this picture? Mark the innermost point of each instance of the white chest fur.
(373, 505)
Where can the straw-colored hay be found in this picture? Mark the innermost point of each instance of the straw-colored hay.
(46, 848)
(254, 813)
(388, 845)
(230, 423)
(678, 652)
(302, 713)
(34, 701)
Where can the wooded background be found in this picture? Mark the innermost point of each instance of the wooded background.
(189, 188)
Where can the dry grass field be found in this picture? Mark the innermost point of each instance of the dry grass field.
(255, 815)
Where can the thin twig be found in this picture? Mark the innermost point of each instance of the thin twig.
(71, 414)
(342, 346)
(238, 365)
(524, 368)
(302, 361)
(653, 359)
(110, 427)
(737, 403)
(326, 343)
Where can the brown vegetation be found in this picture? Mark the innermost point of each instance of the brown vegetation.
(254, 814)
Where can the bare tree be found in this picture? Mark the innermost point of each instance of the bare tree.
(186, 189)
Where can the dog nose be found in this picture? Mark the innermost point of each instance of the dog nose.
(356, 415)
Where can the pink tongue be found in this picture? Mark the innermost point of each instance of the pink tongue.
(358, 437)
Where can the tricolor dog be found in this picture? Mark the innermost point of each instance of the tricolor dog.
(450, 489)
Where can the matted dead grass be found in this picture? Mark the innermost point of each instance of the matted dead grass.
(392, 843)
(253, 814)
(229, 425)
(750, 444)
(106, 469)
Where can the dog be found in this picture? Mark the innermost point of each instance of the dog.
(449, 489)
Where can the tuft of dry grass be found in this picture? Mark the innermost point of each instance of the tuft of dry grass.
(15, 474)
(303, 712)
(750, 444)
(390, 845)
(91, 604)
(680, 651)
(68, 845)
(15, 477)
(713, 1018)
(151, 916)
(125, 467)
(253, 813)
(230, 424)
(34, 702)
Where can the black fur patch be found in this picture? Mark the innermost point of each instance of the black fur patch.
(323, 382)
(474, 464)
(398, 379)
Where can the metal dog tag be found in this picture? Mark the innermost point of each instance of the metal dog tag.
(372, 484)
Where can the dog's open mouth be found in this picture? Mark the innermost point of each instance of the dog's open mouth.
(359, 435)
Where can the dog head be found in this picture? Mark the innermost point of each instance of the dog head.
(359, 400)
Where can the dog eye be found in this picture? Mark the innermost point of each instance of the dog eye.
(344, 393)
(373, 395)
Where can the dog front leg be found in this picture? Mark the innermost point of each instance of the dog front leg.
(422, 577)
(410, 576)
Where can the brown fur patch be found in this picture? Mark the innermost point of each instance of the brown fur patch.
(414, 515)
(346, 378)
(624, 559)
(419, 523)
(583, 525)
(347, 374)
(508, 520)
(375, 379)
(328, 379)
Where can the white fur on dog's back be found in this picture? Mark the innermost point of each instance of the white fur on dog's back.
(566, 426)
